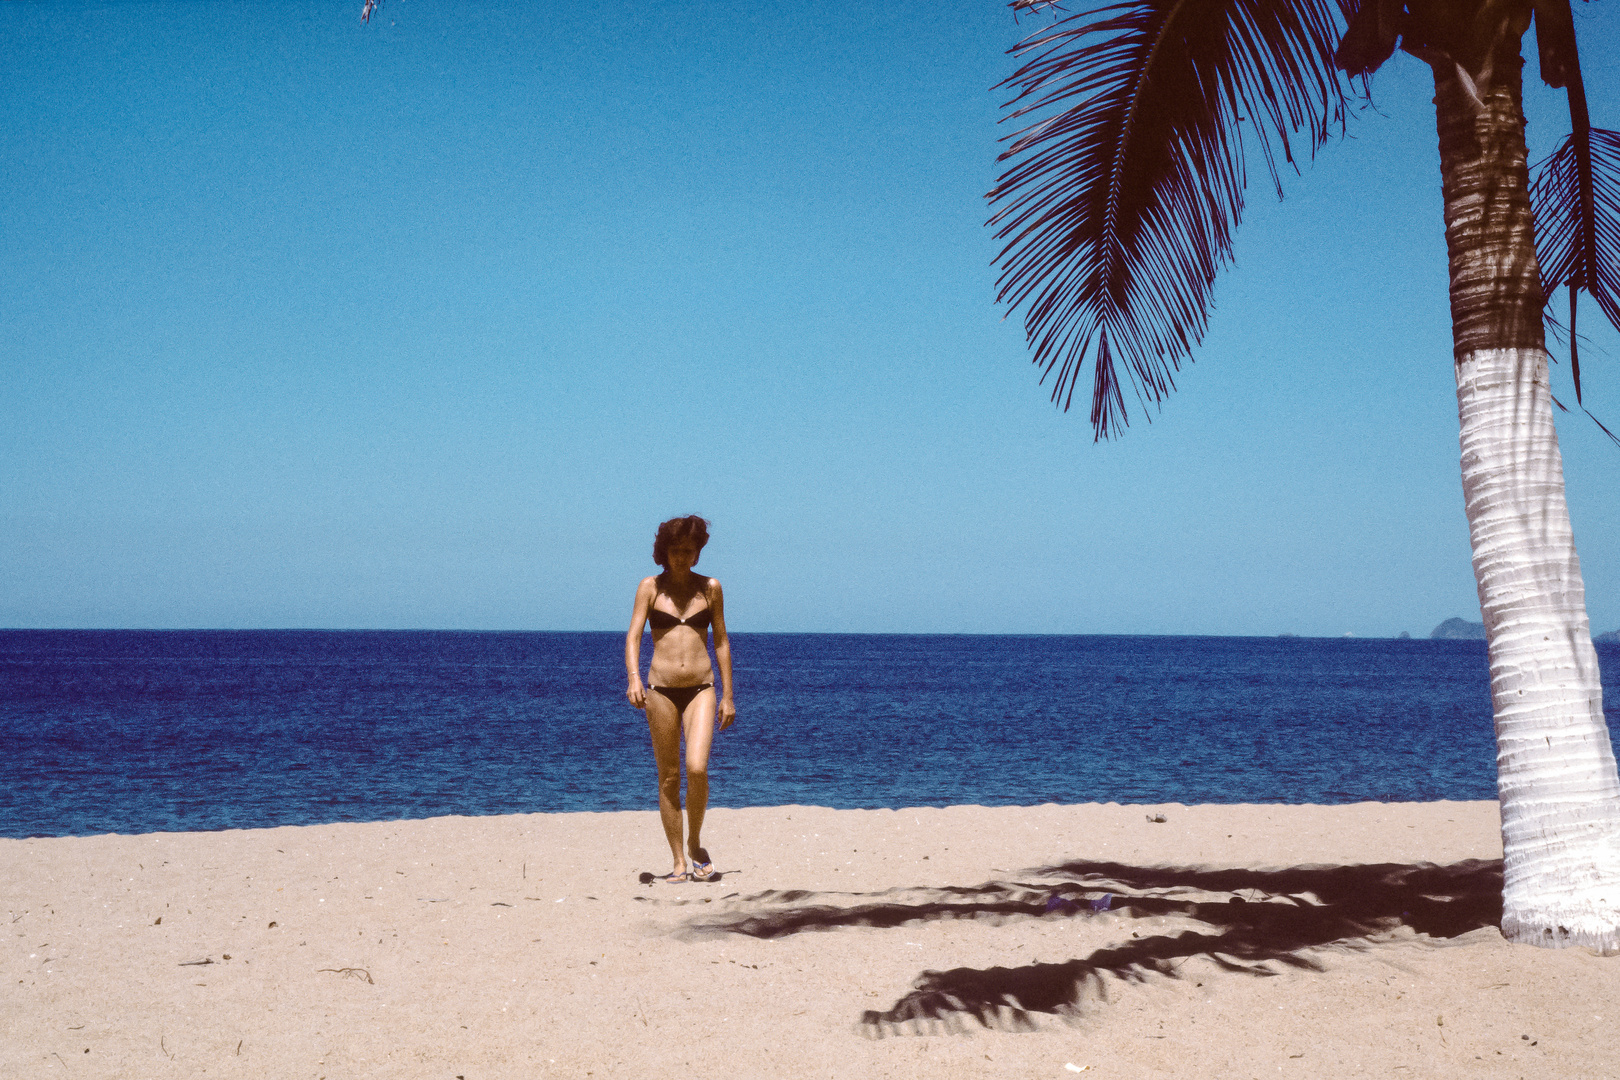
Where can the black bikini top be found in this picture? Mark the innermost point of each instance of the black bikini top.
(663, 620)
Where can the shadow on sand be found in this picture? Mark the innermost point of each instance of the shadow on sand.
(1254, 918)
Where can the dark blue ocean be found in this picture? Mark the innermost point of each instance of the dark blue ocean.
(138, 731)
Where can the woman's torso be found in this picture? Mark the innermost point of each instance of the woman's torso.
(680, 635)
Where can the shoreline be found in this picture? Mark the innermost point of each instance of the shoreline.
(713, 809)
(960, 941)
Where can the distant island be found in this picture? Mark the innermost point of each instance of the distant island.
(1463, 630)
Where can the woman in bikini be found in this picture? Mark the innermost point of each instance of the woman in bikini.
(680, 698)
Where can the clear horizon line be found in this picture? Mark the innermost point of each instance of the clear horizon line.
(742, 633)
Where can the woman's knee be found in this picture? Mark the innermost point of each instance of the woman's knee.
(698, 775)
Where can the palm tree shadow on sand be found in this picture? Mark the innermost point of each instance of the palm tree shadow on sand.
(1255, 919)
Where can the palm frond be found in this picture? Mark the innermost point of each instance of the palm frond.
(1601, 425)
(1129, 176)
(1374, 27)
(1576, 197)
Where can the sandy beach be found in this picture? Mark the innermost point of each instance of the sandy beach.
(1223, 941)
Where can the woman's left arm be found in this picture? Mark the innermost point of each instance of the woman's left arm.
(726, 712)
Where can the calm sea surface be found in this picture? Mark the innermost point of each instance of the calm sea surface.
(137, 731)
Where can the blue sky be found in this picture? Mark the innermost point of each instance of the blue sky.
(428, 323)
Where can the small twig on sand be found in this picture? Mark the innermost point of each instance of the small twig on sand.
(165, 1049)
(14, 918)
(58, 1057)
(359, 973)
(196, 963)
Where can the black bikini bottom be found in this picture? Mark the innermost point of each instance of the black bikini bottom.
(681, 696)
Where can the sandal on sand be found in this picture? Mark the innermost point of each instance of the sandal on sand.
(673, 877)
(703, 870)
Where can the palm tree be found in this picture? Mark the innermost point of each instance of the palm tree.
(1118, 210)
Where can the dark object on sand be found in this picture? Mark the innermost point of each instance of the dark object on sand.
(1062, 905)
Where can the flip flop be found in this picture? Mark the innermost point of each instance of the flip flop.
(702, 868)
(672, 878)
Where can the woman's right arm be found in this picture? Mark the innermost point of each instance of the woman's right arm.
(632, 643)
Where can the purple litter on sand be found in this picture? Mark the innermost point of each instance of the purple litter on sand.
(1059, 903)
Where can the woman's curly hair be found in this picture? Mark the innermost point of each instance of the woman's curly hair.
(678, 530)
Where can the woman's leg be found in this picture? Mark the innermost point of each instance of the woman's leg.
(699, 724)
(664, 723)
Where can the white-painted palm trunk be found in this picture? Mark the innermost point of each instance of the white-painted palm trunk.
(1556, 777)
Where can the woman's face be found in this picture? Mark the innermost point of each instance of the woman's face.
(682, 555)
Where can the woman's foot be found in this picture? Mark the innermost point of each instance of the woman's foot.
(674, 877)
(702, 867)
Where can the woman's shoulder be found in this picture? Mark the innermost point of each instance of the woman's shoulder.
(711, 585)
(648, 584)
